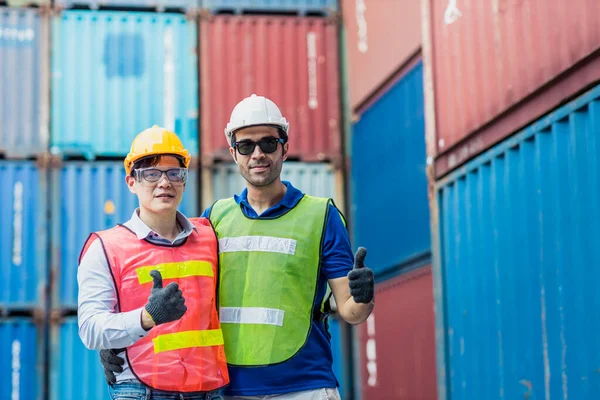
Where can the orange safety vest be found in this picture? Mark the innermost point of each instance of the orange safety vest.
(186, 355)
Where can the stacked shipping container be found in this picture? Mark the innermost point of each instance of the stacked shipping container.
(111, 74)
(389, 208)
(514, 200)
(23, 208)
(518, 234)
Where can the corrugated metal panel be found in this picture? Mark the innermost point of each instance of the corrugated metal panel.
(23, 255)
(75, 216)
(76, 372)
(155, 4)
(372, 56)
(23, 82)
(388, 173)
(399, 337)
(519, 233)
(21, 365)
(498, 53)
(303, 79)
(314, 179)
(115, 74)
(301, 6)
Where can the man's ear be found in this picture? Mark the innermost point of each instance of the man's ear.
(285, 150)
(130, 180)
(233, 155)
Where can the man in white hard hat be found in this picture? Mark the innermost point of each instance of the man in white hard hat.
(278, 250)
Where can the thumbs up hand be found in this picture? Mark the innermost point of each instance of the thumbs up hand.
(165, 304)
(360, 279)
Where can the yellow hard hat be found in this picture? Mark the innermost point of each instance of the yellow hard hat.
(155, 141)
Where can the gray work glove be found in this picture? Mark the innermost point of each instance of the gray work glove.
(165, 304)
(111, 363)
(360, 279)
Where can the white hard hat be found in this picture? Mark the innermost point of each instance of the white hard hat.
(252, 111)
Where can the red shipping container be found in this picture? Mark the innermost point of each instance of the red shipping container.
(381, 35)
(291, 60)
(492, 62)
(398, 340)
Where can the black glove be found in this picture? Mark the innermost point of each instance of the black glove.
(361, 279)
(165, 305)
(111, 363)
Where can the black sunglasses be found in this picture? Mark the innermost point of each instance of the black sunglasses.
(267, 145)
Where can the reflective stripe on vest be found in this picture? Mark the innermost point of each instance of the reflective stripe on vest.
(188, 339)
(174, 270)
(268, 279)
(251, 315)
(186, 355)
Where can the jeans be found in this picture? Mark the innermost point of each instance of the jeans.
(133, 390)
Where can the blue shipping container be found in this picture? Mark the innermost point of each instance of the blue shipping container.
(300, 6)
(23, 246)
(23, 82)
(389, 186)
(88, 197)
(115, 74)
(76, 372)
(21, 363)
(517, 278)
(153, 4)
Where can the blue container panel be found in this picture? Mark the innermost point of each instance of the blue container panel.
(88, 197)
(21, 377)
(389, 185)
(337, 349)
(301, 6)
(115, 74)
(76, 372)
(21, 79)
(155, 4)
(519, 231)
(23, 256)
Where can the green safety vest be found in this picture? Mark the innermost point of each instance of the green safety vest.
(268, 276)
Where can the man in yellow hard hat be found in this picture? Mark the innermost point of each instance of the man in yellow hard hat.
(168, 335)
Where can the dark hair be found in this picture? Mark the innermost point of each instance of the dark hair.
(152, 161)
(282, 135)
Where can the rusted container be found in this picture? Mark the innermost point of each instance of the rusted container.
(381, 35)
(397, 342)
(497, 65)
(291, 60)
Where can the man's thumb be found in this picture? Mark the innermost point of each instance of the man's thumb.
(359, 258)
(157, 279)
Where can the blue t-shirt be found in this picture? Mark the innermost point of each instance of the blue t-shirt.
(311, 367)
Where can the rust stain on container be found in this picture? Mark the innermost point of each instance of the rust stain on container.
(291, 60)
(489, 58)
